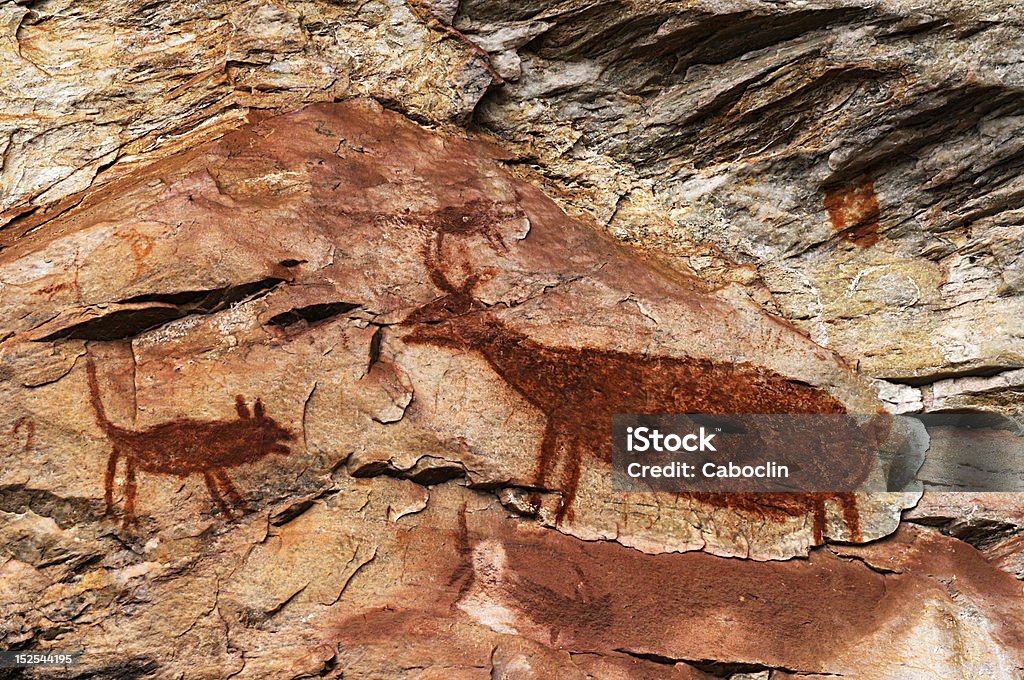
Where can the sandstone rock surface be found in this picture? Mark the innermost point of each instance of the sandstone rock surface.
(414, 311)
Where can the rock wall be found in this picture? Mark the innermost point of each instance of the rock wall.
(314, 317)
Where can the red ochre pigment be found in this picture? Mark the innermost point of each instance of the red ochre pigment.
(854, 212)
(579, 389)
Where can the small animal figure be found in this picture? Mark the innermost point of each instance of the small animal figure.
(29, 426)
(184, 446)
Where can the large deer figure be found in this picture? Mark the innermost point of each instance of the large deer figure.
(187, 446)
(579, 389)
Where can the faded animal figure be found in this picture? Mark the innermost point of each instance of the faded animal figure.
(29, 426)
(579, 389)
(185, 446)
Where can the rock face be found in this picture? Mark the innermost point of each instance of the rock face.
(415, 311)
(313, 320)
(862, 157)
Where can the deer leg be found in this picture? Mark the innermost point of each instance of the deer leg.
(230, 490)
(130, 488)
(545, 463)
(108, 480)
(211, 486)
(819, 520)
(574, 460)
(851, 515)
(548, 455)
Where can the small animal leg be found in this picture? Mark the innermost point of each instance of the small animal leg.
(108, 481)
(130, 488)
(211, 486)
(230, 490)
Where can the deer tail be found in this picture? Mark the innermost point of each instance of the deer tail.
(94, 396)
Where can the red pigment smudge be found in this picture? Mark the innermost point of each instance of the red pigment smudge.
(854, 212)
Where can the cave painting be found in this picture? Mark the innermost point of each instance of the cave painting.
(26, 425)
(185, 446)
(579, 389)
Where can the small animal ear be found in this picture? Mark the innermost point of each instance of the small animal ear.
(243, 410)
(258, 409)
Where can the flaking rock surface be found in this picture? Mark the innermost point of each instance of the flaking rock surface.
(400, 305)
(349, 296)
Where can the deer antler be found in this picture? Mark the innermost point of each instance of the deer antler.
(470, 219)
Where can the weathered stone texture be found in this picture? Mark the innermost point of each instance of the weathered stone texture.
(408, 308)
(864, 158)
